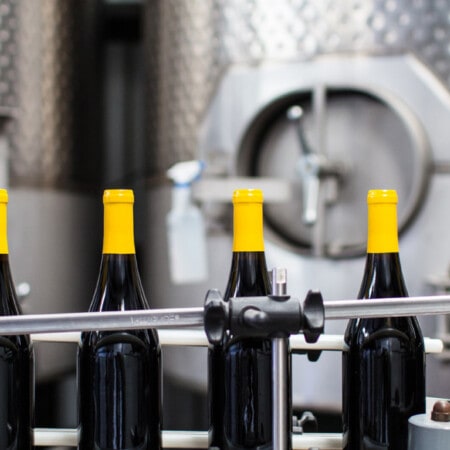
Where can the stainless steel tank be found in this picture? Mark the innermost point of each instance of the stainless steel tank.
(53, 231)
(325, 99)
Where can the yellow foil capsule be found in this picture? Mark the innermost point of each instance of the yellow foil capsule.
(4, 222)
(248, 220)
(382, 221)
(118, 235)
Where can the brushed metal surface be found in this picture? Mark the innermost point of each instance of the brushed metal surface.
(41, 136)
(9, 35)
(182, 41)
(192, 44)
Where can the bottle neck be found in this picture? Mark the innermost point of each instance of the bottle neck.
(382, 228)
(383, 277)
(248, 275)
(119, 286)
(9, 304)
(118, 232)
(248, 227)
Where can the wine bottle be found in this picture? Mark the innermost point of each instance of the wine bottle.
(384, 361)
(240, 377)
(16, 359)
(119, 372)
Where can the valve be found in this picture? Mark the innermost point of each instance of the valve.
(313, 168)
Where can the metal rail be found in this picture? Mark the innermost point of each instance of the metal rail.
(170, 318)
(114, 320)
(392, 307)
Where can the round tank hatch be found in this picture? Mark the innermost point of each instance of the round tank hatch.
(333, 145)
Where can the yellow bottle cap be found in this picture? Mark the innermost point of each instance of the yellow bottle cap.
(247, 196)
(118, 196)
(382, 196)
(382, 221)
(118, 234)
(3, 196)
(248, 220)
(3, 222)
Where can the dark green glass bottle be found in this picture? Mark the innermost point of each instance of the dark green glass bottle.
(384, 365)
(119, 372)
(16, 359)
(240, 370)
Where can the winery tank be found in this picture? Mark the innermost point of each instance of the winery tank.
(317, 102)
(53, 220)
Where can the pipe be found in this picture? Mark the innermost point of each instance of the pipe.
(193, 317)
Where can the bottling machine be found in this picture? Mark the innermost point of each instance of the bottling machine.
(315, 102)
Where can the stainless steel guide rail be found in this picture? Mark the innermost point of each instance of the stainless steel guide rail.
(392, 307)
(168, 318)
(89, 321)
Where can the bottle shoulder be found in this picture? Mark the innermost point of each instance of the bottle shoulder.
(118, 341)
(382, 278)
(248, 275)
(9, 305)
(119, 288)
(21, 340)
(384, 332)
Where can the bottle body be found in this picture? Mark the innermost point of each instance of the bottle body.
(240, 369)
(16, 359)
(16, 375)
(119, 372)
(384, 365)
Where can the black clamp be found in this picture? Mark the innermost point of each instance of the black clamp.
(271, 316)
